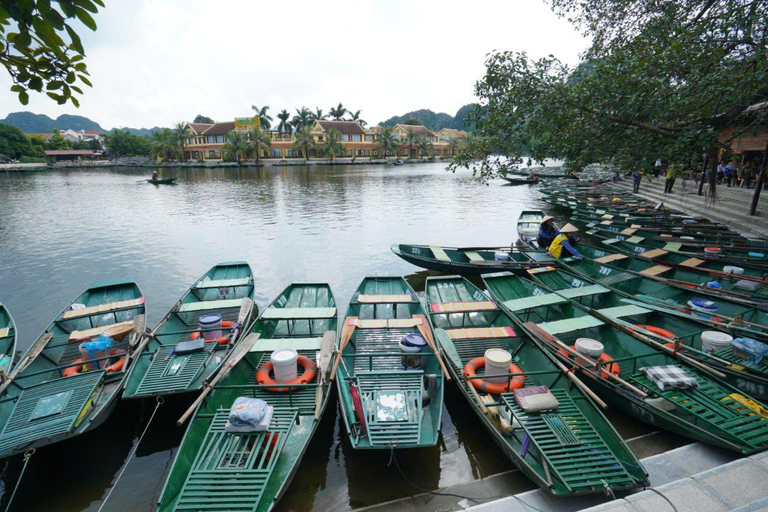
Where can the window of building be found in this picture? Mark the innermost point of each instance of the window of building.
(211, 139)
(219, 138)
(275, 153)
(368, 138)
(344, 137)
(356, 137)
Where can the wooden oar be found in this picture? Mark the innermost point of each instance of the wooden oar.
(245, 311)
(427, 335)
(229, 362)
(30, 356)
(139, 325)
(346, 334)
(450, 351)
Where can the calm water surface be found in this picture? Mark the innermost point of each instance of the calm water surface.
(62, 231)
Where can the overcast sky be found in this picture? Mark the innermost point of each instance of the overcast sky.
(156, 62)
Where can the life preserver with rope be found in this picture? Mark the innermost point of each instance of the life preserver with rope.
(223, 340)
(470, 370)
(112, 368)
(614, 368)
(310, 370)
(657, 330)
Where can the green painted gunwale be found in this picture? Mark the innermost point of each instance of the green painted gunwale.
(520, 260)
(8, 342)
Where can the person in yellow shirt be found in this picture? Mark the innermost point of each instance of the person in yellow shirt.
(561, 246)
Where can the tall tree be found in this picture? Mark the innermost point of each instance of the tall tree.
(56, 141)
(236, 146)
(387, 142)
(200, 118)
(332, 146)
(164, 145)
(318, 114)
(305, 141)
(425, 146)
(34, 49)
(355, 116)
(285, 125)
(303, 117)
(258, 141)
(412, 139)
(337, 113)
(183, 133)
(265, 120)
(455, 144)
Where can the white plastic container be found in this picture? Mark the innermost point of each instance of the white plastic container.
(730, 269)
(712, 341)
(284, 364)
(501, 256)
(212, 321)
(589, 347)
(497, 362)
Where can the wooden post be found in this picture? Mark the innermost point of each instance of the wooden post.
(760, 181)
(704, 172)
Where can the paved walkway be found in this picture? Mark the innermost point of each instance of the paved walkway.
(731, 208)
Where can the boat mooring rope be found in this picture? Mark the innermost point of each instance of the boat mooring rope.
(159, 402)
(27, 455)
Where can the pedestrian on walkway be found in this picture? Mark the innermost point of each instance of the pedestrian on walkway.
(636, 182)
(671, 174)
(720, 172)
(728, 173)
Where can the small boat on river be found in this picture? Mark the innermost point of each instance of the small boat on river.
(528, 224)
(217, 469)
(567, 448)
(164, 181)
(390, 376)
(55, 392)
(472, 260)
(519, 180)
(180, 354)
(7, 339)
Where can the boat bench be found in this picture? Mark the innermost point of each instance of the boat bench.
(298, 313)
(384, 299)
(4, 332)
(481, 332)
(223, 283)
(533, 301)
(611, 258)
(89, 333)
(655, 270)
(653, 253)
(383, 323)
(571, 324)
(210, 304)
(458, 307)
(439, 253)
(272, 344)
(103, 308)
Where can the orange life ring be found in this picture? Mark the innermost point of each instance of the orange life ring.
(614, 368)
(657, 330)
(223, 340)
(470, 370)
(113, 368)
(73, 370)
(310, 370)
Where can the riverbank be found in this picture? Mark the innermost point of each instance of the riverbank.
(211, 164)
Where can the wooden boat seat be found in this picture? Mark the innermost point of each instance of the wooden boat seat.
(4, 332)
(673, 246)
(692, 262)
(231, 471)
(665, 235)
(49, 409)
(622, 311)
(583, 291)
(439, 253)
(628, 231)
(298, 313)
(89, 333)
(473, 256)
(392, 401)
(609, 258)
(481, 332)
(607, 222)
(653, 253)
(383, 323)
(570, 324)
(384, 299)
(539, 270)
(635, 239)
(103, 308)
(272, 344)
(656, 270)
(534, 301)
(210, 304)
(458, 307)
(223, 283)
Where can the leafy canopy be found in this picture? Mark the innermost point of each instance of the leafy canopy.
(41, 51)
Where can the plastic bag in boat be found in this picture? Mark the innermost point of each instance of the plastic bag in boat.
(749, 349)
(97, 350)
(247, 411)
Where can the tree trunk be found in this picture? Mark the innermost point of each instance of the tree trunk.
(704, 172)
(760, 181)
(713, 178)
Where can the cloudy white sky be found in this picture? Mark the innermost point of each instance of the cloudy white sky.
(155, 62)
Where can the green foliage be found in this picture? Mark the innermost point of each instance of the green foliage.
(265, 120)
(32, 160)
(303, 117)
(386, 141)
(164, 145)
(355, 116)
(120, 143)
(332, 145)
(662, 80)
(13, 143)
(40, 123)
(236, 146)
(337, 113)
(56, 141)
(425, 146)
(41, 51)
(258, 142)
(318, 114)
(285, 125)
(411, 139)
(305, 141)
(200, 118)
(431, 120)
(183, 134)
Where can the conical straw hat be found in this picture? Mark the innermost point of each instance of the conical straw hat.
(569, 228)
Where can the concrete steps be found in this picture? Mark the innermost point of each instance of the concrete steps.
(731, 207)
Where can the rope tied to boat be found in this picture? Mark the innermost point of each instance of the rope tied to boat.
(158, 402)
(27, 455)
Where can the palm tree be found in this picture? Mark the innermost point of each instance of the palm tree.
(303, 117)
(318, 115)
(355, 116)
(236, 146)
(265, 120)
(425, 145)
(285, 124)
(412, 140)
(455, 143)
(183, 133)
(305, 140)
(332, 145)
(258, 141)
(338, 112)
(164, 145)
(387, 142)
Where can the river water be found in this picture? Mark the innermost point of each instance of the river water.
(65, 230)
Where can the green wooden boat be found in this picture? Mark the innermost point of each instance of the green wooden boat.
(471, 260)
(661, 221)
(703, 237)
(226, 289)
(513, 180)
(676, 270)
(216, 470)
(164, 181)
(528, 224)
(384, 405)
(574, 450)
(712, 412)
(665, 325)
(7, 339)
(53, 396)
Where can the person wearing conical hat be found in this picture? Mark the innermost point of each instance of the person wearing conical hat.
(561, 246)
(547, 231)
